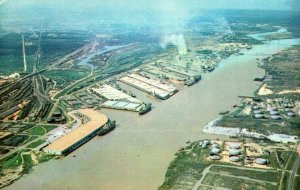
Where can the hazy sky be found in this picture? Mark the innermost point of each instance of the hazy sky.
(171, 11)
(153, 4)
(138, 8)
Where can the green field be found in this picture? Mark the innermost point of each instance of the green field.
(271, 176)
(290, 163)
(41, 129)
(234, 183)
(185, 165)
(285, 180)
(65, 77)
(31, 138)
(52, 47)
(27, 165)
(36, 143)
(297, 183)
(49, 127)
(284, 67)
(12, 161)
(37, 131)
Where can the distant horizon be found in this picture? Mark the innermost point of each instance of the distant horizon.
(170, 14)
(133, 4)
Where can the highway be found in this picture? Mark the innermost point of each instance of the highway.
(38, 87)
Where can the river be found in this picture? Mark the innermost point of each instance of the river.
(85, 59)
(136, 155)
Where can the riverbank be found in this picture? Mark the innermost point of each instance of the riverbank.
(192, 168)
(142, 147)
(275, 106)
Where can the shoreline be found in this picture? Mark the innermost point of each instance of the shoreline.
(149, 131)
(184, 169)
(229, 65)
(261, 91)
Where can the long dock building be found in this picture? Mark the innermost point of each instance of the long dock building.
(94, 121)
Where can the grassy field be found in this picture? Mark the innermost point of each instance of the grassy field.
(45, 157)
(271, 176)
(65, 77)
(263, 126)
(297, 183)
(49, 127)
(285, 180)
(12, 161)
(41, 130)
(290, 163)
(284, 68)
(36, 143)
(53, 46)
(23, 158)
(31, 138)
(27, 165)
(186, 165)
(37, 131)
(234, 183)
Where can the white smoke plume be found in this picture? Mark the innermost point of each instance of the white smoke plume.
(173, 15)
(176, 40)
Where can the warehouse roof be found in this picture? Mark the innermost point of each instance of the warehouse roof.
(96, 121)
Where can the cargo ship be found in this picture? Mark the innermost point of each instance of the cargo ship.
(146, 108)
(110, 126)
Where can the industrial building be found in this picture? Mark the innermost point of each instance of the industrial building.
(150, 86)
(155, 83)
(111, 93)
(80, 135)
(116, 99)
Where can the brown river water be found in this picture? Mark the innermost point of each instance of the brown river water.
(136, 155)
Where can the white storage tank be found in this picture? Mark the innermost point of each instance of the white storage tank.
(215, 151)
(234, 152)
(261, 161)
(234, 158)
(275, 117)
(291, 114)
(258, 116)
(215, 157)
(274, 113)
(257, 111)
(271, 108)
(234, 146)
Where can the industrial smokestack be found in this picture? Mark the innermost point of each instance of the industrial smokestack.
(24, 54)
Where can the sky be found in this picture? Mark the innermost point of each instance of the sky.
(134, 5)
(136, 10)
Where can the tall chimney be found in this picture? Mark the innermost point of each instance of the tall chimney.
(24, 54)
